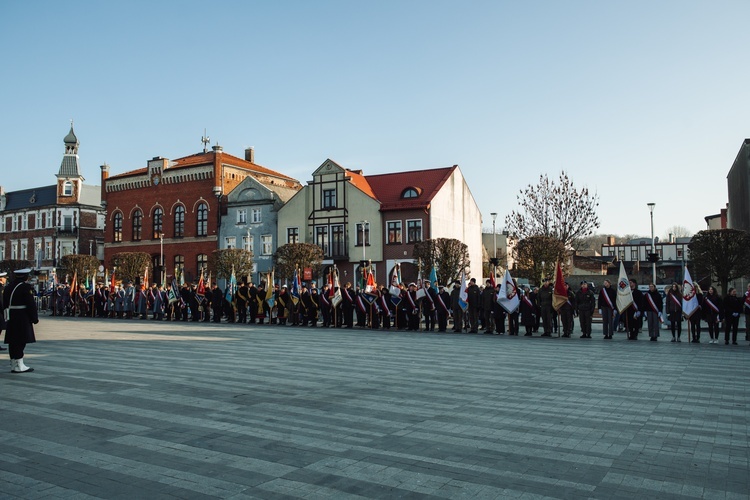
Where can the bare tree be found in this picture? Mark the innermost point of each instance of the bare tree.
(554, 209)
(130, 265)
(677, 232)
(722, 254)
(536, 257)
(293, 255)
(449, 256)
(224, 262)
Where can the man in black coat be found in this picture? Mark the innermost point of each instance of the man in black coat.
(474, 303)
(18, 300)
(217, 303)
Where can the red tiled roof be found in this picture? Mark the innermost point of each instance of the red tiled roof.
(388, 188)
(361, 182)
(208, 159)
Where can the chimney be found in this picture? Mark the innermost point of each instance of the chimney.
(610, 240)
(105, 176)
(250, 154)
(671, 237)
(217, 149)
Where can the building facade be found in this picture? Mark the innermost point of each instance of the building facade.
(379, 218)
(251, 222)
(43, 224)
(634, 254)
(172, 209)
(738, 188)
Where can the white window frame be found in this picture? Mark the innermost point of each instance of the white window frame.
(255, 216)
(24, 250)
(13, 249)
(266, 244)
(242, 216)
(67, 189)
(47, 249)
(247, 242)
(230, 242)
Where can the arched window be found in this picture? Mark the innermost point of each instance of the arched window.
(137, 225)
(158, 215)
(67, 189)
(202, 219)
(203, 264)
(410, 193)
(179, 264)
(179, 221)
(117, 226)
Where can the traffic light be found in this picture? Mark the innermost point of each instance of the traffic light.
(654, 257)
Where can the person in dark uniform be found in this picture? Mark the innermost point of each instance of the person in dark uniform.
(2, 308)
(487, 298)
(585, 304)
(217, 303)
(732, 311)
(18, 300)
(674, 311)
(694, 322)
(566, 312)
(527, 309)
(412, 304)
(442, 304)
(347, 306)
(634, 311)
(712, 313)
(544, 303)
(606, 303)
(458, 312)
(243, 299)
(653, 306)
(473, 300)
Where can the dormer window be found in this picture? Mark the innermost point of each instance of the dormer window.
(67, 189)
(410, 192)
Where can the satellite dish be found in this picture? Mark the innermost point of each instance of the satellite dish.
(101, 269)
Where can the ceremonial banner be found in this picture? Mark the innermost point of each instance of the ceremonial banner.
(507, 297)
(336, 298)
(689, 300)
(560, 293)
(624, 293)
(463, 296)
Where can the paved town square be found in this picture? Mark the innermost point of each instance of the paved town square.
(139, 409)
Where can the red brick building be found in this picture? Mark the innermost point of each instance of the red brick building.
(43, 224)
(171, 209)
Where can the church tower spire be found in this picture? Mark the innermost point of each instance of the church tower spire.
(69, 178)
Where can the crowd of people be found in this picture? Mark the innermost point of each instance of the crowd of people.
(416, 307)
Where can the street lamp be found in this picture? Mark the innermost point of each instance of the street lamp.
(363, 264)
(493, 260)
(653, 255)
(161, 257)
(217, 192)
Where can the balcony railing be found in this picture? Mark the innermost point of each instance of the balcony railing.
(66, 230)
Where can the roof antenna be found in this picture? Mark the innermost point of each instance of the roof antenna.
(206, 141)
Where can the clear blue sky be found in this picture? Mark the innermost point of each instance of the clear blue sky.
(641, 101)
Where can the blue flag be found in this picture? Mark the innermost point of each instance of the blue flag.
(295, 285)
(433, 279)
(231, 287)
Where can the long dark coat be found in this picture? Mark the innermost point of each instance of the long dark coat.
(20, 327)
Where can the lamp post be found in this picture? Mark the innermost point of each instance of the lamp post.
(161, 257)
(363, 264)
(493, 260)
(217, 192)
(653, 246)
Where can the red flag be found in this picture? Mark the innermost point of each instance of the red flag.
(560, 293)
(370, 282)
(330, 283)
(74, 285)
(112, 283)
(201, 290)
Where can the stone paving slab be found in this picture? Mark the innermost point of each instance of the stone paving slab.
(138, 409)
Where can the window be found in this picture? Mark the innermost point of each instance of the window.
(158, 217)
(679, 253)
(137, 225)
(47, 250)
(15, 223)
(247, 242)
(117, 225)
(633, 254)
(363, 231)
(255, 214)
(2, 224)
(321, 238)
(338, 241)
(329, 198)
(179, 221)
(242, 216)
(292, 235)
(230, 242)
(266, 244)
(621, 255)
(179, 264)
(394, 232)
(413, 231)
(25, 222)
(67, 188)
(202, 219)
(13, 250)
(410, 193)
(2, 251)
(24, 250)
(202, 262)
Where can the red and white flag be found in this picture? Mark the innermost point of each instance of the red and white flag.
(689, 300)
(624, 293)
(507, 297)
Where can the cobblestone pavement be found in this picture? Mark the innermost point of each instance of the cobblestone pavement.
(136, 409)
